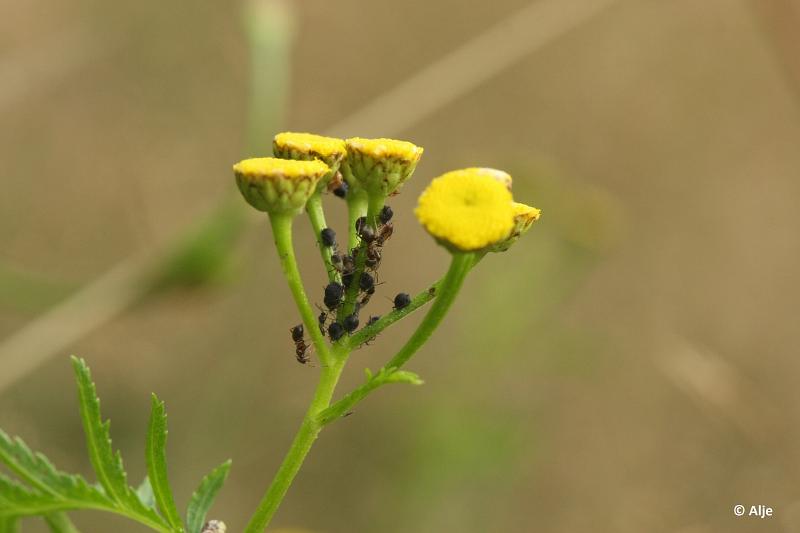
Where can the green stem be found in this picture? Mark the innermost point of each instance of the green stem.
(306, 435)
(375, 203)
(317, 217)
(282, 232)
(448, 289)
(356, 208)
(368, 333)
(60, 523)
(459, 267)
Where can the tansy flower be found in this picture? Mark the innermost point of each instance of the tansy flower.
(499, 175)
(278, 185)
(524, 217)
(466, 210)
(307, 147)
(380, 166)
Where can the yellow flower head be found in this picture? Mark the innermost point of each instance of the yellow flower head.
(466, 210)
(499, 175)
(524, 217)
(278, 185)
(307, 147)
(380, 166)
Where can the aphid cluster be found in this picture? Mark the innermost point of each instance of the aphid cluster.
(372, 240)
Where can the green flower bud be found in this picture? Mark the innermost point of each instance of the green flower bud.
(278, 185)
(379, 166)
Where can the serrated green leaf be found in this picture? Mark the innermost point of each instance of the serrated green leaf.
(35, 469)
(108, 465)
(60, 523)
(157, 464)
(17, 500)
(9, 524)
(204, 496)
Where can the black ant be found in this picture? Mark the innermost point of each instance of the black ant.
(364, 300)
(343, 263)
(322, 319)
(338, 186)
(300, 346)
(384, 233)
(367, 282)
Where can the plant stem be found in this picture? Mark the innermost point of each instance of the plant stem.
(459, 267)
(369, 332)
(282, 232)
(448, 289)
(317, 217)
(374, 206)
(356, 207)
(60, 523)
(306, 435)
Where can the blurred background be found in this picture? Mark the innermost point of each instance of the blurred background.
(629, 366)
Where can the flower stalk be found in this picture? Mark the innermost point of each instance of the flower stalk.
(469, 212)
(282, 233)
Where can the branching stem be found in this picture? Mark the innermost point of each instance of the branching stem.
(282, 232)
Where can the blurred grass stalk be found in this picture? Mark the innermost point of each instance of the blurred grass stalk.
(197, 257)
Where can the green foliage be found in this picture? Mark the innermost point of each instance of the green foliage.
(59, 523)
(204, 496)
(203, 256)
(9, 524)
(157, 464)
(44, 490)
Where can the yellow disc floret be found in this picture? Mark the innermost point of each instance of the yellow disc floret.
(307, 147)
(466, 210)
(499, 175)
(311, 145)
(379, 166)
(278, 185)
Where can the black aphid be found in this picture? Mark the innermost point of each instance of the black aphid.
(341, 190)
(328, 237)
(386, 214)
(333, 294)
(402, 300)
(335, 331)
(347, 278)
(350, 323)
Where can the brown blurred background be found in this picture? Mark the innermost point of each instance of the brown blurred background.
(629, 366)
